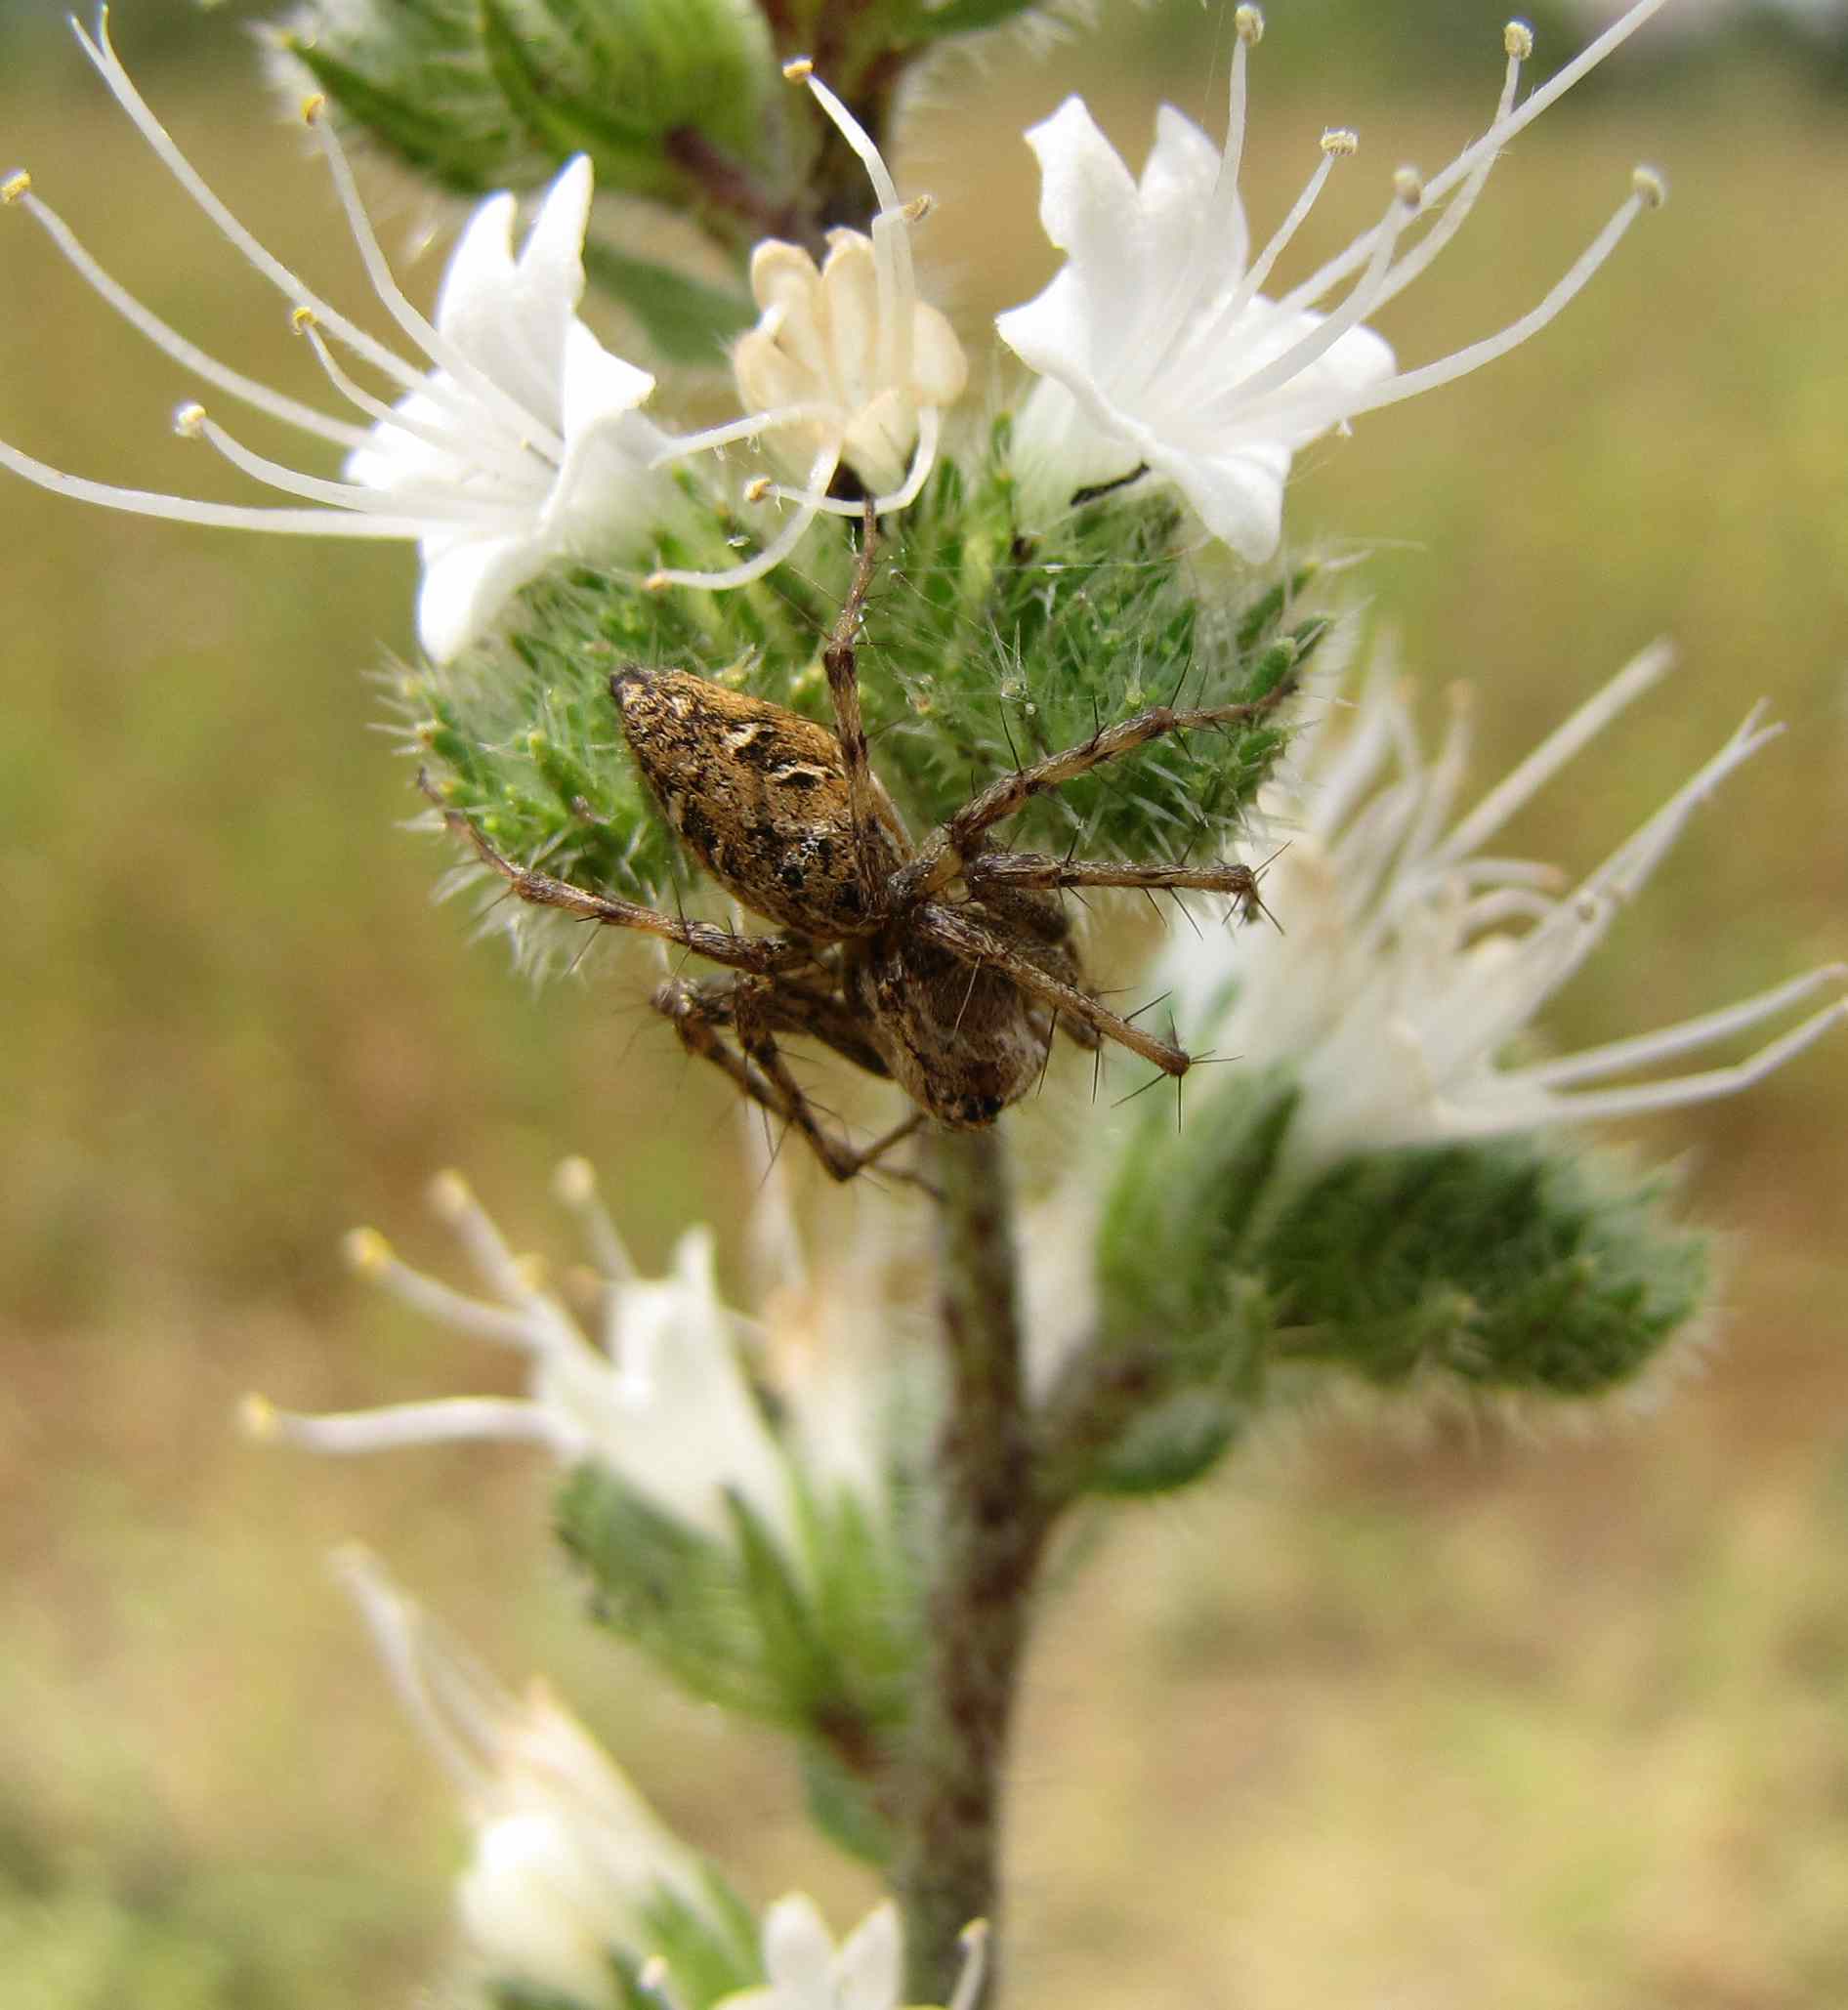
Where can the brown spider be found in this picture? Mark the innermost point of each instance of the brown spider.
(946, 966)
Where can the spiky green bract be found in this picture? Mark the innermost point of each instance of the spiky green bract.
(1508, 1267)
(1504, 1267)
(485, 95)
(981, 649)
(1177, 1364)
(822, 1644)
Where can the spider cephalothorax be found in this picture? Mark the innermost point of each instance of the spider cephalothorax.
(945, 964)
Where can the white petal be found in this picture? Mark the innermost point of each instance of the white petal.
(535, 1906)
(1187, 233)
(551, 264)
(939, 369)
(1088, 205)
(596, 388)
(510, 319)
(869, 1972)
(1239, 496)
(1053, 332)
(799, 1953)
(466, 584)
(480, 273)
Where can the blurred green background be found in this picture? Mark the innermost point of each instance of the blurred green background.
(1395, 1714)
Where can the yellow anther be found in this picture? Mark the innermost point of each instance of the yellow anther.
(1651, 187)
(798, 69)
(656, 582)
(451, 1196)
(15, 186)
(1341, 141)
(312, 107)
(302, 320)
(190, 421)
(1517, 39)
(758, 488)
(1247, 23)
(576, 1183)
(367, 1251)
(257, 1419)
(918, 208)
(1408, 186)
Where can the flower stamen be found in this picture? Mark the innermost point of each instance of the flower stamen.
(510, 466)
(193, 422)
(526, 429)
(167, 339)
(1646, 193)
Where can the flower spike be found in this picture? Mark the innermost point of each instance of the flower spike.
(1415, 960)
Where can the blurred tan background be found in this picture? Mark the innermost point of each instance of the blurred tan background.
(1428, 1720)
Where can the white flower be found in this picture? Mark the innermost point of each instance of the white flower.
(516, 437)
(1412, 960)
(1157, 351)
(807, 1972)
(846, 365)
(569, 1861)
(663, 1402)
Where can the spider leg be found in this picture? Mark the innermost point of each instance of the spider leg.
(840, 658)
(987, 871)
(944, 854)
(794, 1005)
(763, 955)
(760, 1071)
(972, 943)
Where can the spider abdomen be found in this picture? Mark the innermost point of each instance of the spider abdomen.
(759, 795)
(961, 1039)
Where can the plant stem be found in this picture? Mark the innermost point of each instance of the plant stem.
(989, 1538)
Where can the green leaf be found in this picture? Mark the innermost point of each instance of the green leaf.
(687, 321)
(429, 140)
(562, 124)
(965, 18)
(1179, 1441)
(794, 1652)
(842, 1806)
(669, 1590)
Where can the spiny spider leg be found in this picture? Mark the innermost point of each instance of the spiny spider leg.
(944, 853)
(991, 869)
(841, 662)
(965, 939)
(762, 1074)
(791, 1005)
(762, 954)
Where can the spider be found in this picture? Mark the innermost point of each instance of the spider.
(946, 965)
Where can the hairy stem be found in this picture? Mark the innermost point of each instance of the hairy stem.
(989, 1540)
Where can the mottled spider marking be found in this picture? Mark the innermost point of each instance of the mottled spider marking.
(759, 795)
